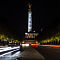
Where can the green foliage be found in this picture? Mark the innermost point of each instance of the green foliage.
(4, 37)
(53, 38)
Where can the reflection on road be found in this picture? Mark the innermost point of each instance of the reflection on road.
(10, 55)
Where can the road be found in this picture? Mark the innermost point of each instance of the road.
(49, 53)
(28, 53)
(40, 53)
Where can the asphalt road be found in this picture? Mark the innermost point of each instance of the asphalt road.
(49, 53)
(28, 53)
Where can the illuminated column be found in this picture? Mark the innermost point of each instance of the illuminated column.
(29, 19)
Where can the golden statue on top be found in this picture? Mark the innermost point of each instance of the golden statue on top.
(29, 6)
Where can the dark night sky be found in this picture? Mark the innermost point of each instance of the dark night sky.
(13, 16)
